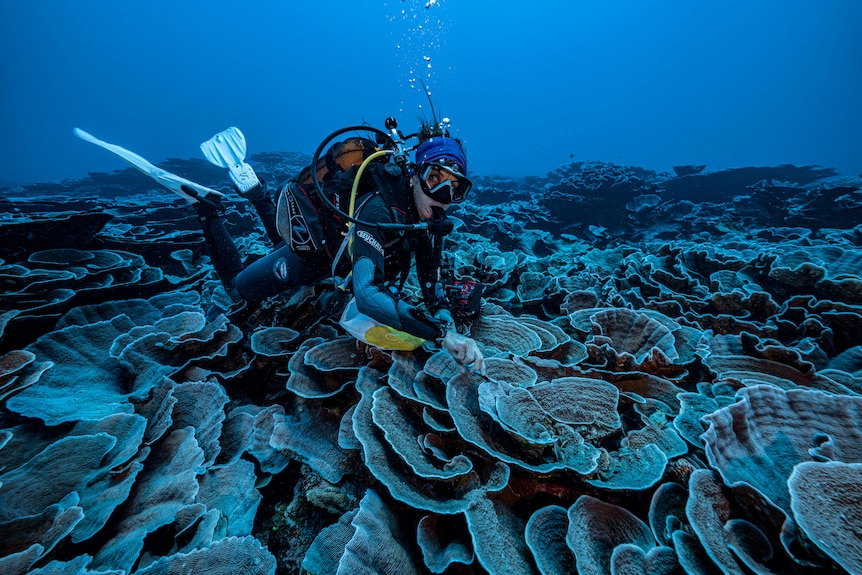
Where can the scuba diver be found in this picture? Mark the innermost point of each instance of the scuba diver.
(400, 216)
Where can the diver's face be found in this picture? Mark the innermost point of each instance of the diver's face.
(424, 203)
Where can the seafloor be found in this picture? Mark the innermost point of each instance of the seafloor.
(674, 379)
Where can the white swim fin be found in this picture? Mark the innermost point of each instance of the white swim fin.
(227, 150)
(187, 189)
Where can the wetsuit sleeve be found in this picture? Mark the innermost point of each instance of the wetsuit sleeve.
(372, 297)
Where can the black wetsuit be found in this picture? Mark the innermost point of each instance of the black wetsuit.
(381, 261)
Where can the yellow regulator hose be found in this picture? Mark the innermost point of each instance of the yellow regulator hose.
(358, 177)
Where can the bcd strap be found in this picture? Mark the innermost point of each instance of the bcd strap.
(347, 242)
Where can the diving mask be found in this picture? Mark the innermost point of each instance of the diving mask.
(443, 182)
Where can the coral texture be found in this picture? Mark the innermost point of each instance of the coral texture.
(673, 386)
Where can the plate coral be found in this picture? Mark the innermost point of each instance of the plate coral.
(674, 369)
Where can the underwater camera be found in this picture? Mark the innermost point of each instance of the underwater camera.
(465, 297)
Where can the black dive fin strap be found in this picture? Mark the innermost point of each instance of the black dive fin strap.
(203, 199)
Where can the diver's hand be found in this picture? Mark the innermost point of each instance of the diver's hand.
(465, 351)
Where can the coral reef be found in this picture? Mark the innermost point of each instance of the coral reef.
(674, 385)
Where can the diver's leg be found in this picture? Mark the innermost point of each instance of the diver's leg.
(262, 201)
(223, 252)
(279, 271)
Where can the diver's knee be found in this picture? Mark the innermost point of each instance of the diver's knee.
(281, 270)
(264, 278)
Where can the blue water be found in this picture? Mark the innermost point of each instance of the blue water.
(527, 86)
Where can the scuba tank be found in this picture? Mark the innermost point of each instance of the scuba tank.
(319, 205)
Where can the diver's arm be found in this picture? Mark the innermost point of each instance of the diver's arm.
(463, 349)
(433, 290)
(377, 302)
(385, 307)
(373, 298)
(428, 274)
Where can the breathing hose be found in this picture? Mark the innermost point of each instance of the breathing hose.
(358, 177)
(355, 188)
